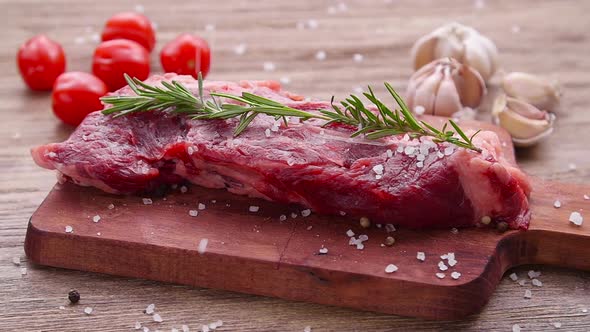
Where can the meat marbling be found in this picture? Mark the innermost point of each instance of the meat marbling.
(319, 168)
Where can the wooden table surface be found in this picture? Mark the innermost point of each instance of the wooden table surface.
(546, 37)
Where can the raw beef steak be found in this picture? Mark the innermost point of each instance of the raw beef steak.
(413, 183)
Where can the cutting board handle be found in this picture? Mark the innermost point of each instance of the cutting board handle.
(552, 239)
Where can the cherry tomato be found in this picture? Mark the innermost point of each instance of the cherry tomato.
(132, 26)
(186, 55)
(113, 58)
(77, 94)
(40, 61)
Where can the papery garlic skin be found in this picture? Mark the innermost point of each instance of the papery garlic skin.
(444, 87)
(535, 90)
(463, 43)
(526, 124)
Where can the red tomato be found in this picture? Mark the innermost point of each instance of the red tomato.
(41, 61)
(113, 58)
(75, 95)
(132, 26)
(186, 55)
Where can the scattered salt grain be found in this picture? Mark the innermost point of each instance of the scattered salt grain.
(293, 215)
(268, 66)
(420, 157)
(454, 230)
(202, 246)
(320, 55)
(389, 153)
(312, 24)
(16, 259)
(363, 237)
(146, 329)
(309, 228)
(449, 150)
(572, 167)
(283, 217)
(147, 201)
(390, 268)
(342, 213)
(183, 189)
(455, 275)
(440, 154)
(576, 218)
(584, 310)
(360, 246)
(23, 271)
(442, 266)
(240, 49)
(61, 307)
(157, 318)
(513, 277)
(306, 213)
(253, 208)
(267, 132)
(350, 233)
(307, 329)
(389, 228)
(419, 109)
(96, 218)
(185, 328)
(69, 229)
(52, 154)
(452, 262)
(515, 328)
(534, 274)
(111, 206)
(440, 275)
(193, 213)
(522, 282)
(421, 256)
(201, 206)
(420, 164)
(210, 27)
(88, 310)
(285, 80)
(557, 204)
(378, 169)
(205, 328)
(99, 233)
(557, 325)
(528, 294)
(537, 282)
(137, 325)
(150, 309)
(358, 57)
(323, 251)
(409, 150)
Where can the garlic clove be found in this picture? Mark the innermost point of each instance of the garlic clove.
(423, 50)
(533, 89)
(526, 124)
(472, 86)
(426, 92)
(447, 100)
(492, 52)
(476, 56)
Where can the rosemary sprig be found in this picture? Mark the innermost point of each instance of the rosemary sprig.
(173, 97)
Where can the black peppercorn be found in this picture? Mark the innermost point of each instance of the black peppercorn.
(74, 296)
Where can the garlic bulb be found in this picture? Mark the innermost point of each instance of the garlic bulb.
(535, 90)
(526, 124)
(458, 41)
(444, 87)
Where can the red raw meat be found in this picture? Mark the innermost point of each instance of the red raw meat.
(319, 168)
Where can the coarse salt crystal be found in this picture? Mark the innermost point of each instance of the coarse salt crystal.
(586, 197)
(137, 325)
(202, 246)
(52, 154)
(454, 230)
(183, 189)
(342, 213)
(268, 66)
(309, 228)
(306, 213)
(440, 154)
(350, 233)
(323, 251)
(444, 256)
(320, 55)
(449, 151)
(513, 277)
(557, 204)
(576, 218)
(111, 206)
(190, 150)
(352, 241)
(88, 310)
(452, 262)
(528, 294)
(363, 237)
(400, 149)
(419, 109)
(205, 328)
(389, 153)
(534, 274)
(360, 246)
(69, 229)
(390, 268)
(193, 213)
(185, 328)
(420, 164)
(378, 169)
(537, 282)
(557, 325)
(240, 49)
(150, 309)
(146, 329)
(378, 177)
(440, 275)
(455, 275)
(275, 127)
(442, 266)
(293, 215)
(389, 228)
(522, 282)
(267, 132)
(409, 150)
(283, 217)
(358, 57)
(515, 328)
(96, 218)
(147, 201)
(253, 208)
(23, 271)
(420, 157)
(421, 256)
(16, 260)
(307, 329)
(201, 206)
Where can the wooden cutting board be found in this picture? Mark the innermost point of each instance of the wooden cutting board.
(259, 254)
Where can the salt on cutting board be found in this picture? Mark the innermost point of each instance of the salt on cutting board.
(227, 246)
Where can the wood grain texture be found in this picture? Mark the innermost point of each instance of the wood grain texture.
(553, 40)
